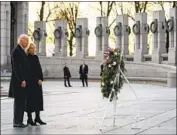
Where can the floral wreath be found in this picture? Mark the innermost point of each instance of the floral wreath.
(111, 64)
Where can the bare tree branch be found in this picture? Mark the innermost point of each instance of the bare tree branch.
(50, 12)
(174, 4)
(112, 23)
(121, 7)
(110, 5)
(30, 31)
(101, 8)
(145, 6)
(130, 16)
(41, 17)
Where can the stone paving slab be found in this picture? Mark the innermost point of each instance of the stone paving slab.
(79, 110)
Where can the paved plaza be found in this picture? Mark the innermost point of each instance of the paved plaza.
(79, 110)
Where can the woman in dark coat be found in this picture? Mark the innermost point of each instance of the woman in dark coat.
(35, 94)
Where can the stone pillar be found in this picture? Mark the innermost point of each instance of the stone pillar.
(141, 28)
(105, 34)
(61, 42)
(22, 18)
(102, 36)
(41, 43)
(82, 37)
(118, 31)
(5, 32)
(85, 35)
(159, 45)
(125, 35)
(99, 51)
(172, 38)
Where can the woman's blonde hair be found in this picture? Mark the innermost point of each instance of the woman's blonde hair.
(31, 44)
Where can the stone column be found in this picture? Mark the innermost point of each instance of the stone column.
(99, 54)
(141, 37)
(105, 34)
(5, 32)
(22, 18)
(160, 47)
(61, 43)
(125, 35)
(172, 38)
(85, 37)
(102, 40)
(82, 41)
(119, 31)
(41, 44)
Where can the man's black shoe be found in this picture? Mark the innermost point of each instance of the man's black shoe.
(20, 125)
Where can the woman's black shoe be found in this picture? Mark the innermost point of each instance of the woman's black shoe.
(30, 122)
(39, 121)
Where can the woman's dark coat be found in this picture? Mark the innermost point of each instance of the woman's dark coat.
(35, 94)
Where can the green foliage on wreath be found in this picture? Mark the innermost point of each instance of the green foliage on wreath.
(112, 59)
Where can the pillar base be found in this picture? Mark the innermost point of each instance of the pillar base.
(172, 57)
(156, 57)
(138, 56)
(171, 82)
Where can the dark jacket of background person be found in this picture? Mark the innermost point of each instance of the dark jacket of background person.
(83, 72)
(35, 94)
(67, 73)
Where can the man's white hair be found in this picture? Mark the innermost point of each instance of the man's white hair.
(22, 36)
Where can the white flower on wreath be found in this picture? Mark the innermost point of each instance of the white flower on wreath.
(114, 63)
(115, 53)
(109, 65)
(112, 82)
(102, 84)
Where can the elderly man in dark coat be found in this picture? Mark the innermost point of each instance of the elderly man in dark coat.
(67, 75)
(19, 80)
(83, 71)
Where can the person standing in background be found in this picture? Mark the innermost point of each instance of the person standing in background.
(67, 75)
(83, 71)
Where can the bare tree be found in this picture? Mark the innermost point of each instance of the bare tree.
(45, 8)
(140, 6)
(109, 5)
(41, 15)
(174, 4)
(69, 11)
(101, 6)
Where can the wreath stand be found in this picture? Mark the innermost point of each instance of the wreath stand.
(116, 80)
